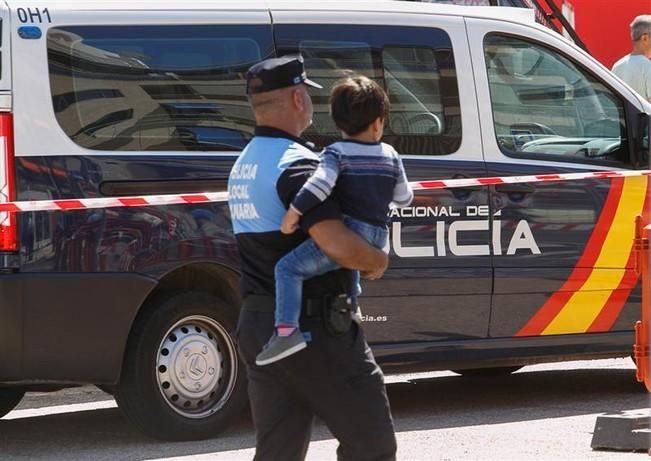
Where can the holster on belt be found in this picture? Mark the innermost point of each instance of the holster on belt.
(336, 312)
(338, 315)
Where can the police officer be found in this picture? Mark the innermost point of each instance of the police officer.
(335, 377)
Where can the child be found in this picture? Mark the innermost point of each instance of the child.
(369, 176)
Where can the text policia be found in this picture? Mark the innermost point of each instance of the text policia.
(447, 235)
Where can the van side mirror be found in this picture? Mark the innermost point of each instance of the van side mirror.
(642, 157)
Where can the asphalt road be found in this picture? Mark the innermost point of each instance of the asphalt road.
(542, 412)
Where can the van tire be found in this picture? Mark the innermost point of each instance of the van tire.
(488, 372)
(182, 378)
(10, 397)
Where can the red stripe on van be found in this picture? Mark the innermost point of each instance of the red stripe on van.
(617, 300)
(582, 270)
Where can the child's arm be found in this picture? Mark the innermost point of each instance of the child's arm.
(315, 190)
(402, 193)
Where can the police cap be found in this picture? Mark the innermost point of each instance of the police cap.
(275, 73)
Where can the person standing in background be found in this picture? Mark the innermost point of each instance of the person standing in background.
(635, 68)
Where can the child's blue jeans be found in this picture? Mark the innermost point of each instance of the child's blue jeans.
(307, 261)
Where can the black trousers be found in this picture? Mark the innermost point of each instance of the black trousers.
(335, 379)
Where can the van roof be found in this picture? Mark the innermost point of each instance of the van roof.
(525, 15)
(522, 15)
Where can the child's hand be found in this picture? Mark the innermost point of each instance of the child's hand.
(290, 222)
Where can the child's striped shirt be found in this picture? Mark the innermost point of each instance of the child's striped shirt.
(368, 178)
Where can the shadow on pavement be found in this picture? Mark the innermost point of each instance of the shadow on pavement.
(436, 403)
(459, 401)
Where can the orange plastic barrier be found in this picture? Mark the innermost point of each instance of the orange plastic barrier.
(643, 327)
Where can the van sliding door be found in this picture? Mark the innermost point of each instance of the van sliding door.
(438, 284)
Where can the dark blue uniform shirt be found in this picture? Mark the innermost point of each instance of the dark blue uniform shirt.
(263, 182)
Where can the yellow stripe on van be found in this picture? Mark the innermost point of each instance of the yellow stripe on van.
(585, 305)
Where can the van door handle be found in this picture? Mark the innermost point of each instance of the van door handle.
(515, 188)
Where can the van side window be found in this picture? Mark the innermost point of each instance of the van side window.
(545, 106)
(412, 81)
(155, 88)
(414, 65)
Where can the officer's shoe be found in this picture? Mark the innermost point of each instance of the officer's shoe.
(280, 347)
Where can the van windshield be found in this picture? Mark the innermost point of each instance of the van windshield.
(543, 103)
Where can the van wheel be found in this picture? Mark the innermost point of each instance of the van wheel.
(481, 372)
(9, 398)
(181, 377)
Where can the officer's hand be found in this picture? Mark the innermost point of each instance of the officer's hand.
(375, 273)
(369, 275)
(348, 249)
(290, 222)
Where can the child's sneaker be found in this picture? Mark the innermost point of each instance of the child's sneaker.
(280, 347)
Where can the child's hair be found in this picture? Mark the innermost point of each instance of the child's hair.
(355, 102)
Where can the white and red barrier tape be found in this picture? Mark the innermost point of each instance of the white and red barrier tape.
(212, 197)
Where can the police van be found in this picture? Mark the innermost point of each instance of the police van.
(125, 98)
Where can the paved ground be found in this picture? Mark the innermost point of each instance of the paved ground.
(540, 413)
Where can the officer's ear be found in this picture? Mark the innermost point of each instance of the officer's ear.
(298, 98)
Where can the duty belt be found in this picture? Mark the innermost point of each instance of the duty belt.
(312, 307)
